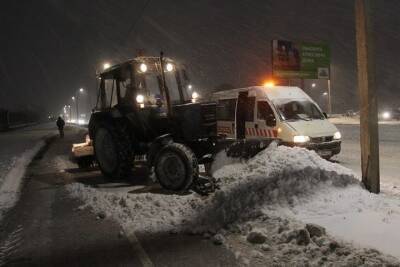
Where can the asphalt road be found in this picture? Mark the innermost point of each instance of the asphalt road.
(389, 146)
(46, 227)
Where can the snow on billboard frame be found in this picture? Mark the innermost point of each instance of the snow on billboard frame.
(302, 60)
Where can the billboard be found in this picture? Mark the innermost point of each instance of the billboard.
(301, 60)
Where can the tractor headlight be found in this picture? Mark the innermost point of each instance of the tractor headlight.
(301, 139)
(169, 67)
(140, 99)
(337, 136)
(143, 67)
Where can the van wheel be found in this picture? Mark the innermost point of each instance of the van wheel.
(176, 167)
(113, 151)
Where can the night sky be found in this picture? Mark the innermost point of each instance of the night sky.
(51, 48)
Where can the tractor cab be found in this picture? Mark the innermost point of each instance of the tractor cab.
(144, 83)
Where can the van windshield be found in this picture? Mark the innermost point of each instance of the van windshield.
(298, 110)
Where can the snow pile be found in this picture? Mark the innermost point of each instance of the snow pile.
(354, 214)
(267, 240)
(9, 189)
(256, 194)
(276, 175)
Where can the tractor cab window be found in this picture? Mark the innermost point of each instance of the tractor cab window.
(111, 92)
(123, 88)
(172, 84)
(149, 85)
(125, 82)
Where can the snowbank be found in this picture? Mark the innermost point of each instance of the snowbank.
(10, 187)
(276, 182)
(354, 215)
(275, 175)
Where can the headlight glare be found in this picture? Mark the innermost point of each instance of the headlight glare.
(301, 139)
(337, 136)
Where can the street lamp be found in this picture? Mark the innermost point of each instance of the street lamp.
(325, 94)
(313, 85)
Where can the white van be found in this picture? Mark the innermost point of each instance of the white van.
(282, 112)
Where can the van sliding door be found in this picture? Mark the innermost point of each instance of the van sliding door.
(244, 114)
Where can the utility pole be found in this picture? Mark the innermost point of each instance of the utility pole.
(368, 103)
(77, 111)
(329, 93)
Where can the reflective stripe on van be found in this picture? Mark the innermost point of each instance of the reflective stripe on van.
(261, 132)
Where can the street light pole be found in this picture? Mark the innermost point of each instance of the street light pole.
(75, 99)
(329, 97)
(77, 110)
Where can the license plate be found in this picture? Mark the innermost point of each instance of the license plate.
(202, 168)
(324, 153)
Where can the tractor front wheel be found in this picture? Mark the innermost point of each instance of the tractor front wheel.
(176, 167)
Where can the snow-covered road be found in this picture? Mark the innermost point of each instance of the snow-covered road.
(17, 149)
(389, 136)
(16, 142)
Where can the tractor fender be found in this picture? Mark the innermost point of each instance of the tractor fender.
(103, 116)
(156, 146)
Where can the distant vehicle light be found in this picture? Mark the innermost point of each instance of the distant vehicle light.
(386, 115)
(190, 87)
(169, 67)
(143, 67)
(301, 139)
(337, 136)
(80, 121)
(195, 95)
(140, 99)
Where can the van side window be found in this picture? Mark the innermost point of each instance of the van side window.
(250, 108)
(226, 110)
(264, 110)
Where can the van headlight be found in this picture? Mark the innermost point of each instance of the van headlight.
(301, 139)
(337, 136)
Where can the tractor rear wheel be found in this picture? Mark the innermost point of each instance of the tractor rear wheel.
(113, 151)
(176, 167)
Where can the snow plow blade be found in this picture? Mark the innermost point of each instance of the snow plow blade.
(83, 154)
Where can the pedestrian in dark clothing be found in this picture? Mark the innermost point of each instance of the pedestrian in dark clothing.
(60, 125)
